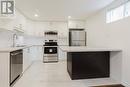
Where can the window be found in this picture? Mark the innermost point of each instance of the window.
(127, 9)
(118, 13)
(108, 20)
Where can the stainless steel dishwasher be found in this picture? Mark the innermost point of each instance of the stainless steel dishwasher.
(16, 65)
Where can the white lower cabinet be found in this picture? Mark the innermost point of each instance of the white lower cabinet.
(26, 58)
(62, 56)
(4, 69)
(36, 53)
(30, 54)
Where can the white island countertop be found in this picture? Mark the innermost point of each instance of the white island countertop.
(86, 49)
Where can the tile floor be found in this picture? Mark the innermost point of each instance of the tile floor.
(55, 75)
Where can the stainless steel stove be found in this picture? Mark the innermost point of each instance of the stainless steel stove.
(50, 49)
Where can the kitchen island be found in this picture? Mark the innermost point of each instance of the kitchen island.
(85, 63)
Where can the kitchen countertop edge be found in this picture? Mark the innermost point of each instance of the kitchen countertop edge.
(10, 49)
(86, 49)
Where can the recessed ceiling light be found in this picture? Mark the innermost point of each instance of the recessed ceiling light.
(36, 15)
(69, 17)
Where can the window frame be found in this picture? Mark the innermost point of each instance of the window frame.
(110, 13)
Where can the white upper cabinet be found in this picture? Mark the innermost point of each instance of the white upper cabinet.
(6, 24)
(37, 29)
(18, 21)
(34, 28)
(76, 24)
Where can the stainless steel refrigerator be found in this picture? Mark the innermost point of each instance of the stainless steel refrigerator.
(77, 37)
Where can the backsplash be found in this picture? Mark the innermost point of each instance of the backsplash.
(29, 40)
(6, 40)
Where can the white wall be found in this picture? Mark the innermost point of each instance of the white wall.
(116, 34)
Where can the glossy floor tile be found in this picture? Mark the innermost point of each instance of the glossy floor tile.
(55, 75)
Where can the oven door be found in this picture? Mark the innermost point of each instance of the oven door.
(50, 54)
(50, 50)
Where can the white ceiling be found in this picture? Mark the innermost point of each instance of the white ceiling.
(59, 10)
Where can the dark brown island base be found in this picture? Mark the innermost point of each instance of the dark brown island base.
(86, 65)
(117, 85)
(91, 63)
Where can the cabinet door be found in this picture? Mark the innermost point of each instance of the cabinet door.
(62, 55)
(36, 53)
(26, 58)
(86, 65)
(76, 24)
(25, 55)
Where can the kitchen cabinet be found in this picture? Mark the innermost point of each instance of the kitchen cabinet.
(62, 56)
(76, 24)
(35, 28)
(36, 53)
(38, 28)
(5, 69)
(26, 58)
(9, 65)
(19, 23)
(10, 23)
(30, 54)
(6, 24)
(86, 65)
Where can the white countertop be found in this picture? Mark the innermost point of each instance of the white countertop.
(10, 49)
(85, 49)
